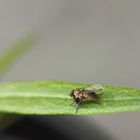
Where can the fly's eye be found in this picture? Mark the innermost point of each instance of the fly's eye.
(72, 93)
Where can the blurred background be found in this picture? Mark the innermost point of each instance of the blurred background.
(80, 41)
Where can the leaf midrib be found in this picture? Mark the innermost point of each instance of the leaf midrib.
(63, 97)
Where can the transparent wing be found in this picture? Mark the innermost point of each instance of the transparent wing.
(98, 88)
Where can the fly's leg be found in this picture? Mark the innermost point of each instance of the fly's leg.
(78, 103)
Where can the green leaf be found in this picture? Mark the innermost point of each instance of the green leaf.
(52, 97)
(12, 54)
(7, 58)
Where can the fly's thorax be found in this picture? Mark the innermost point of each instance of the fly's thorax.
(85, 95)
(77, 94)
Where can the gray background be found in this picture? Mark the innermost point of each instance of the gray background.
(90, 41)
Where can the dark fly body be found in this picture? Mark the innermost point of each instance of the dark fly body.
(80, 95)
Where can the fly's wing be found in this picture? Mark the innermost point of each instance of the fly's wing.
(98, 88)
(79, 89)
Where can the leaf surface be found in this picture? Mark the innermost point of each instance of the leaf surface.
(52, 97)
(7, 58)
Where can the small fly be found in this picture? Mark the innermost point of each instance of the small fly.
(80, 95)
